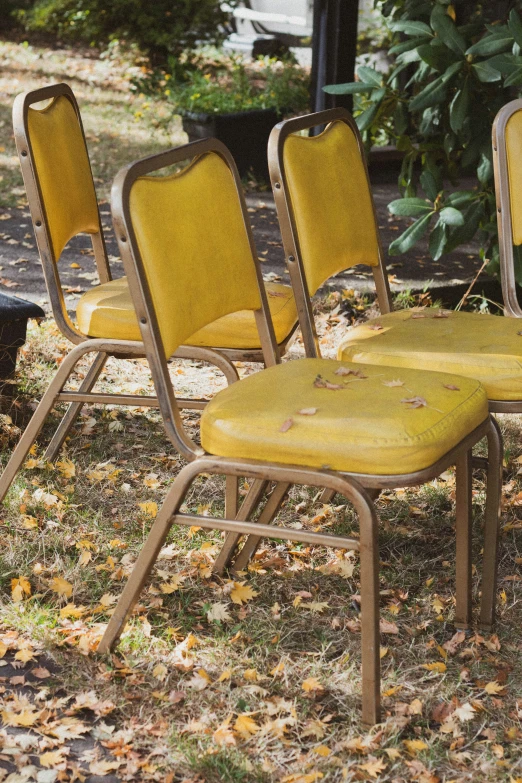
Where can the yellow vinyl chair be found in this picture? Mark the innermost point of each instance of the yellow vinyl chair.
(507, 165)
(328, 222)
(60, 189)
(356, 439)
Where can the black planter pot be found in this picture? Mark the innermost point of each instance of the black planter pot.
(14, 313)
(245, 133)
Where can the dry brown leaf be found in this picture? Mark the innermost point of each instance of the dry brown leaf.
(415, 402)
(307, 411)
(386, 626)
(392, 384)
(285, 426)
(451, 387)
(373, 768)
(322, 383)
(376, 327)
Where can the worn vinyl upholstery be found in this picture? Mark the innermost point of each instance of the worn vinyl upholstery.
(514, 163)
(362, 428)
(485, 347)
(325, 177)
(107, 311)
(192, 282)
(63, 172)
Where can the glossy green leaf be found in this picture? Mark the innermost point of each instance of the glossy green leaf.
(411, 28)
(451, 217)
(370, 76)
(491, 44)
(435, 92)
(515, 26)
(465, 233)
(485, 73)
(514, 79)
(446, 30)
(429, 184)
(350, 88)
(459, 107)
(460, 198)
(409, 207)
(407, 46)
(505, 63)
(485, 169)
(437, 240)
(366, 118)
(437, 56)
(411, 236)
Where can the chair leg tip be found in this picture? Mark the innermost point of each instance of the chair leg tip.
(487, 627)
(461, 626)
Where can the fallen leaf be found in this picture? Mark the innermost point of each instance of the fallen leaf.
(493, 688)
(414, 746)
(386, 626)
(307, 411)
(246, 726)
(19, 588)
(317, 607)
(376, 327)
(41, 672)
(373, 768)
(61, 586)
(242, 593)
(149, 509)
(436, 666)
(311, 685)
(160, 672)
(285, 426)
(415, 402)
(441, 314)
(451, 387)
(465, 712)
(218, 612)
(392, 384)
(322, 383)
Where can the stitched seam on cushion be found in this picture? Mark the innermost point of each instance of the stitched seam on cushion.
(357, 347)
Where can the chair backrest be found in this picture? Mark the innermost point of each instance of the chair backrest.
(189, 256)
(325, 207)
(507, 161)
(59, 184)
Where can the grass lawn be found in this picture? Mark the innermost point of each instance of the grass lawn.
(252, 678)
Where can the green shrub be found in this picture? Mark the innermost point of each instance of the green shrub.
(267, 83)
(455, 66)
(162, 29)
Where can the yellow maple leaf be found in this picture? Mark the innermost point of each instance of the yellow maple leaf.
(3, 649)
(322, 750)
(29, 523)
(224, 735)
(493, 688)
(312, 684)
(373, 767)
(279, 669)
(70, 610)
(242, 593)
(24, 655)
(149, 509)
(414, 746)
(23, 718)
(66, 468)
(436, 666)
(225, 675)
(251, 675)
(52, 758)
(246, 726)
(19, 588)
(61, 586)
(160, 671)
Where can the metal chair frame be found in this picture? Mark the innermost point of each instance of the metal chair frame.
(503, 199)
(356, 488)
(222, 358)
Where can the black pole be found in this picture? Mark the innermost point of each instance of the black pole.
(334, 49)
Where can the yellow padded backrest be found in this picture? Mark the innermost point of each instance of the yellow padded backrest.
(329, 193)
(194, 247)
(514, 162)
(63, 172)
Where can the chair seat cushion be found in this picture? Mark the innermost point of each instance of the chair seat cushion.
(485, 347)
(107, 311)
(364, 427)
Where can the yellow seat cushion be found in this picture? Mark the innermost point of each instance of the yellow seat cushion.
(107, 311)
(485, 347)
(364, 427)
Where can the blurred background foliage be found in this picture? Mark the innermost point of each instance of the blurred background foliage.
(452, 67)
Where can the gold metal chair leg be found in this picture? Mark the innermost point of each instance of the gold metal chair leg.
(146, 560)
(63, 429)
(370, 635)
(231, 496)
(247, 508)
(32, 430)
(463, 527)
(270, 510)
(327, 495)
(491, 527)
